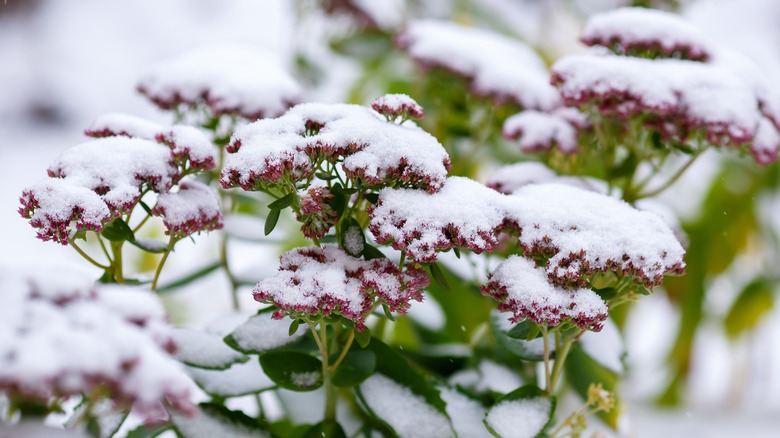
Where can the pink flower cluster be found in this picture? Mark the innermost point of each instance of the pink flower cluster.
(577, 232)
(191, 209)
(648, 32)
(65, 338)
(369, 149)
(397, 105)
(523, 288)
(325, 280)
(95, 182)
(316, 213)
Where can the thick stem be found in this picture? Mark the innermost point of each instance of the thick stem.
(560, 359)
(116, 249)
(171, 242)
(330, 389)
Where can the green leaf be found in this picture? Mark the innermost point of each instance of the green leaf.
(293, 327)
(371, 252)
(438, 276)
(372, 197)
(529, 392)
(456, 250)
(754, 302)
(144, 431)
(118, 231)
(271, 220)
(146, 208)
(357, 366)
(525, 330)
(283, 202)
(149, 245)
(519, 347)
(350, 228)
(325, 176)
(187, 279)
(363, 338)
(582, 370)
(292, 370)
(388, 313)
(329, 429)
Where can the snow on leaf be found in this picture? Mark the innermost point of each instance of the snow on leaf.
(261, 332)
(372, 149)
(511, 177)
(635, 31)
(408, 414)
(51, 347)
(191, 209)
(466, 414)
(240, 379)
(229, 79)
(522, 288)
(326, 280)
(541, 132)
(204, 350)
(520, 418)
(216, 421)
(496, 65)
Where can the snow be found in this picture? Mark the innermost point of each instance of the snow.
(581, 231)
(193, 208)
(497, 65)
(634, 30)
(541, 132)
(239, 379)
(205, 424)
(306, 379)
(261, 332)
(188, 144)
(606, 347)
(50, 347)
(488, 376)
(466, 414)
(508, 178)
(204, 350)
(522, 418)
(354, 241)
(373, 150)
(119, 124)
(407, 413)
(681, 96)
(393, 105)
(524, 289)
(324, 280)
(231, 79)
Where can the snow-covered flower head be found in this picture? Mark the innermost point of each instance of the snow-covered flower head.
(523, 288)
(495, 65)
(320, 281)
(67, 338)
(191, 209)
(646, 32)
(316, 213)
(541, 132)
(227, 79)
(397, 105)
(368, 149)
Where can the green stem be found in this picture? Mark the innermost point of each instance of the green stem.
(330, 389)
(86, 256)
(105, 250)
(560, 359)
(344, 351)
(223, 259)
(116, 249)
(547, 376)
(171, 242)
(671, 180)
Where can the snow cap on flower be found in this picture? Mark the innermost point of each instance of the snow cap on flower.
(395, 105)
(58, 208)
(496, 66)
(61, 343)
(228, 79)
(541, 132)
(118, 124)
(675, 97)
(191, 209)
(373, 150)
(327, 280)
(638, 31)
(316, 214)
(582, 232)
(189, 147)
(522, 288)
(461, 214)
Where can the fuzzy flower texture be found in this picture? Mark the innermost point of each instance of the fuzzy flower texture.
(95, 182)
(60, 337)
(328, 280)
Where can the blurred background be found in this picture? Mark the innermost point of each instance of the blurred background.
(703, 352)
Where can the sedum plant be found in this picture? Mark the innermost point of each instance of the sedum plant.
(525, 268)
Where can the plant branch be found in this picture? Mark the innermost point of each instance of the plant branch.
(171, 242)
(86, 256)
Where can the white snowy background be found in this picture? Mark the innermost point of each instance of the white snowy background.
(64, 63)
